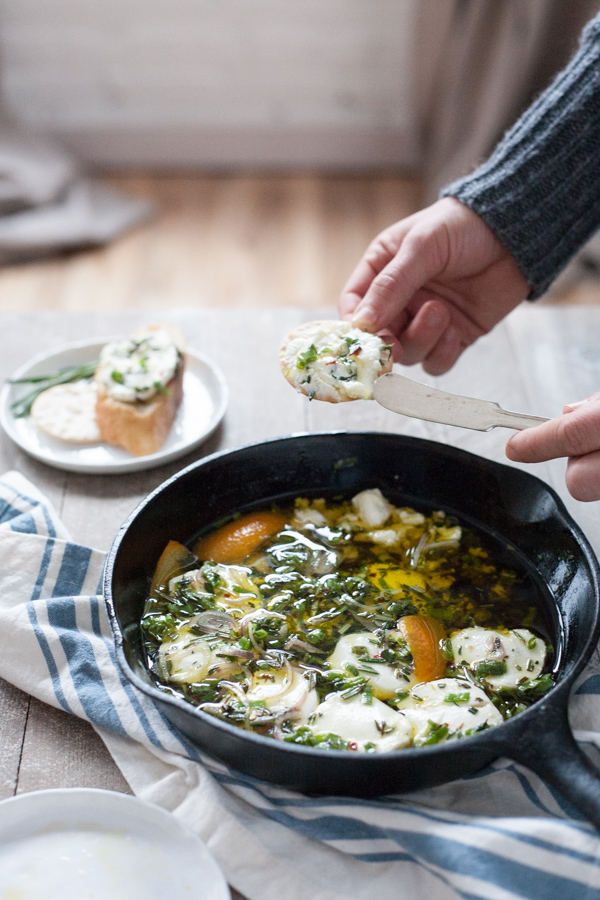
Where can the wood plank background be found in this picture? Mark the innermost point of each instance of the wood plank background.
(234, 241)
(223, 241)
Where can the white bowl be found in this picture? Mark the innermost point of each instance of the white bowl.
(79, 842)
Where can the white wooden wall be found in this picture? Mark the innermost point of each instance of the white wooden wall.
(273, 83)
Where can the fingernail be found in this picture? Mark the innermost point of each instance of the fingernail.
(512, 453)
(570, 406)
(364, 318)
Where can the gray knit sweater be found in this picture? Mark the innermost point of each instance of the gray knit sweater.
(539, 191)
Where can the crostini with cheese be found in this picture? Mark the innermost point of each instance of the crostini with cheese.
(332, 361)
(140, 388)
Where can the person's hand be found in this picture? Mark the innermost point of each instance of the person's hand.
(432, 284)
(575, 434)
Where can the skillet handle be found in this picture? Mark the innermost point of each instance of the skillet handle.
(550, 750)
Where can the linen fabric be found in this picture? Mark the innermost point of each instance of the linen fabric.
(500, 835)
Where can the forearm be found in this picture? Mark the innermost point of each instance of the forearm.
(539, 192)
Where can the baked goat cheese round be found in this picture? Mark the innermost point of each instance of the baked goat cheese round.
(358, 650)
(373, 726)
(447, 709)
(68, 412)
(504, 659)
(330, 360)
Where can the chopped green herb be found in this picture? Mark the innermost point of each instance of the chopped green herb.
(160, 388)
(435, 734)
(309, 356)
(490, 667)
(304, 735)
(383, 727)
(457, 698)
(447, 650)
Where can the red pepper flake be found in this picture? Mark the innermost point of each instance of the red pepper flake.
(352, 745)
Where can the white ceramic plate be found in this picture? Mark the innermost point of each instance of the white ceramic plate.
(205, 397)
(79, 842)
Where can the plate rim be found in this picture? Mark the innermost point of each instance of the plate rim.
(136, 463)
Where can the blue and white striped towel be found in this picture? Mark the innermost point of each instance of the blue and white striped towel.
(498, 836)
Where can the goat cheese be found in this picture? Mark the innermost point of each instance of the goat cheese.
(357, 651)
(191, 658)
(447, 708)
(333, 361)
(372, 507)
(137, 368)
(504, 659)
(362, 724)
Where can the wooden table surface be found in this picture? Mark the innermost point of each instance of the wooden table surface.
(534, 362)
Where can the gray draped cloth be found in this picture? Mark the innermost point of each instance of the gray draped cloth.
(49, 205)
(479, 65)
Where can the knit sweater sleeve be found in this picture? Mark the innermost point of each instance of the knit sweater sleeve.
(539, 191)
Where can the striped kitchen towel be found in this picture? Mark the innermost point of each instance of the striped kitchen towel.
(500, 835)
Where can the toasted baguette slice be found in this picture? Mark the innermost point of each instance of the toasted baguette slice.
(141, 426)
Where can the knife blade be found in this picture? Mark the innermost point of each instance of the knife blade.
(419, 401)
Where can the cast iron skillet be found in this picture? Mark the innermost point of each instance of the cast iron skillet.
(510, 505)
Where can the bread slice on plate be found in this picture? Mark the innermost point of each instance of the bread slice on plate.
(140, 389)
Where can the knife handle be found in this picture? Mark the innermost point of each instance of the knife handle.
(518, 421)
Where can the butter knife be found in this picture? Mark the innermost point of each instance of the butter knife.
(410, 398)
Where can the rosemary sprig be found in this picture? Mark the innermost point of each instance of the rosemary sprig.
(22, 406)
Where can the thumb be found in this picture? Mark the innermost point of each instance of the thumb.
(575, 433)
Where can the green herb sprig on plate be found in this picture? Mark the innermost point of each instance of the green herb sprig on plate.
(22, 406)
